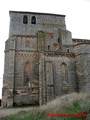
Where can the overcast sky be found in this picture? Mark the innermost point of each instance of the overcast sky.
(77, 18)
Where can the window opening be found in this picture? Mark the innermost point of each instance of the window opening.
(48, 47)
(25, 19)
(33, 20)
(67, 50)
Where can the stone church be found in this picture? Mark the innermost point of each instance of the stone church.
(42, 61)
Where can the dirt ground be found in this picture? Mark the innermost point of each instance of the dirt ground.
(10, 111)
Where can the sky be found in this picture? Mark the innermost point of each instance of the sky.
(77, 18)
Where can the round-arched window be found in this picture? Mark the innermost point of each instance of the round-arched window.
(33, 20)
(25, 19)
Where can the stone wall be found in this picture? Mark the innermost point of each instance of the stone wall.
(52, 81)
(8, 81)
(44, 22)
(26, 83)
(82, 53)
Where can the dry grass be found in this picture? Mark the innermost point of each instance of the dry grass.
(65, 100)
(72, 103)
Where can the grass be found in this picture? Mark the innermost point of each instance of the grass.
(72, 103)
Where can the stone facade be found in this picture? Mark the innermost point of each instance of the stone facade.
(42, 61)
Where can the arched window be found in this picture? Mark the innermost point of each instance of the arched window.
(27, 73)
(33, 20)
(48, 47)
(64, 72)
(25, 19)
(67, 50)
(58, 40)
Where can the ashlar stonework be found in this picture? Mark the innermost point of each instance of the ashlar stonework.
(42, 61)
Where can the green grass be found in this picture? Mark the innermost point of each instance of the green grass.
(72, 103)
